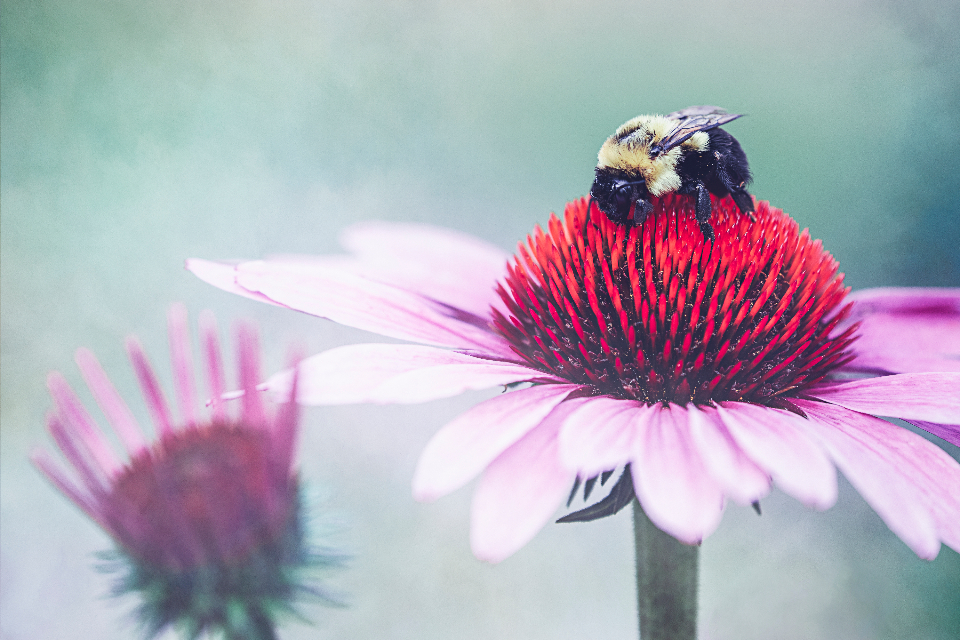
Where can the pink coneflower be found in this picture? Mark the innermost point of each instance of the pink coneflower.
(708, 369)
(207, 517)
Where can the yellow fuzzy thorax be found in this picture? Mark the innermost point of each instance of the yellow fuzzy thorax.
(628, 150)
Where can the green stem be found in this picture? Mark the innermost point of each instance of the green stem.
(666, 582)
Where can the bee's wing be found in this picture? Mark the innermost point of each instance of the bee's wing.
(692, 120)
(702, 110)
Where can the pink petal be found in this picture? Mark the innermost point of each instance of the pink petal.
(213, 361)
(464, 447)
(110, 402)
(150, 386)
(80, 427)
(519, 492)
(671, 479)
(442, 264)
(182, 362)
(94, 477)
(931, 397)
(598, 435)
(394, 373)
(913, 485)
(738, 476)
(318, 289)
(67, 487)
(906, 330)
(248, 355)
(781, 444)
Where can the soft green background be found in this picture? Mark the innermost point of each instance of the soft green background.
(137, 134)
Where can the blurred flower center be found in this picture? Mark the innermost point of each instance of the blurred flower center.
(202, 495)
(658, 314)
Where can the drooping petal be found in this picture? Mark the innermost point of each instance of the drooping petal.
(598, 434)
(671, 480)
(929, 397)
(781, 444)
(387, 373)
(321, 290)
(906, 329)
(442, 264)
(912, 484)
(461, 449)
(738, 476)
(519, 491)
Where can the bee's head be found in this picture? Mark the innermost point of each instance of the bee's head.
(616, 194)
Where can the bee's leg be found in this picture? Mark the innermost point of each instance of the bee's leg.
(744, 201)
(642, 209)
(703, 210)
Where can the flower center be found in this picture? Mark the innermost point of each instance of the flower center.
(207, 495)
(657, 313)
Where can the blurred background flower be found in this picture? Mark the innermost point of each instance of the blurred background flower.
(207, 517)
(138, 134)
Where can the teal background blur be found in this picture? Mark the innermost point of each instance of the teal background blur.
(137, 134)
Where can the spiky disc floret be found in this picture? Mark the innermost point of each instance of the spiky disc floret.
(658, 314)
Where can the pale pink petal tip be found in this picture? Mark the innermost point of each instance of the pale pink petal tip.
(518, 493)
(670, 478)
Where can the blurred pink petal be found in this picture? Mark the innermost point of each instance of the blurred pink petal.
(906, 329)
(110, 402)
(463, 448)
(388, 373)
(519, 491)
(670, 477)
(781, 444)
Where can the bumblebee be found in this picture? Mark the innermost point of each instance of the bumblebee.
(684, 151)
